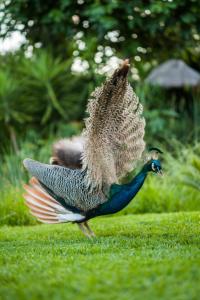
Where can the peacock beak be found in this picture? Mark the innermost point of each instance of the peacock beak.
(160, 172)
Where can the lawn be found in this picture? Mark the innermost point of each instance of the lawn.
(151, 256)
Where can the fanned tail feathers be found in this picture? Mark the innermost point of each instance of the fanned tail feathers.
(44, 207)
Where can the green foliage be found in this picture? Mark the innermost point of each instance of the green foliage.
(43, 77)
(192, 176)
(48, 82)
(38, 94)
(133, 257)
(13, 210)
(169, 117)
(190, 173)
(11, 107)
(145, 28)
(8, 93)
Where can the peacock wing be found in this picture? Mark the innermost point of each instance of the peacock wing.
(114, 131)
(66, 185)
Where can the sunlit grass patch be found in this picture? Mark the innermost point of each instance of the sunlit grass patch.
(133, 257)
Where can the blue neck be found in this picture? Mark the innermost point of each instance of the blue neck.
(125, 193)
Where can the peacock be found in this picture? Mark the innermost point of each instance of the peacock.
(84, 183)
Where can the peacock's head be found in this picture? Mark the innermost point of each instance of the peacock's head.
(154, 164)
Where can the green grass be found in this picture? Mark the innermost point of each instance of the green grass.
(151, 256)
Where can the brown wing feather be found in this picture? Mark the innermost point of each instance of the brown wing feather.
(41, 205)
(113, 137)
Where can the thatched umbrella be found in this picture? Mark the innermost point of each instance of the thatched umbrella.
(173, 73)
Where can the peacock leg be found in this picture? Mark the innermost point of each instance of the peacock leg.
(91, 232)
(83, 229)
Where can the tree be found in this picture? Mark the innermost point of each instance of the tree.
(147, 30)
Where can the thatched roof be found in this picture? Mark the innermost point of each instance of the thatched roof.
(173, 73)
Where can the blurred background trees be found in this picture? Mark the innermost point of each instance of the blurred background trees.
(151, 29)
(67, 48)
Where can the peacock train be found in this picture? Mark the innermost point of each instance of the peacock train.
(83, 183)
